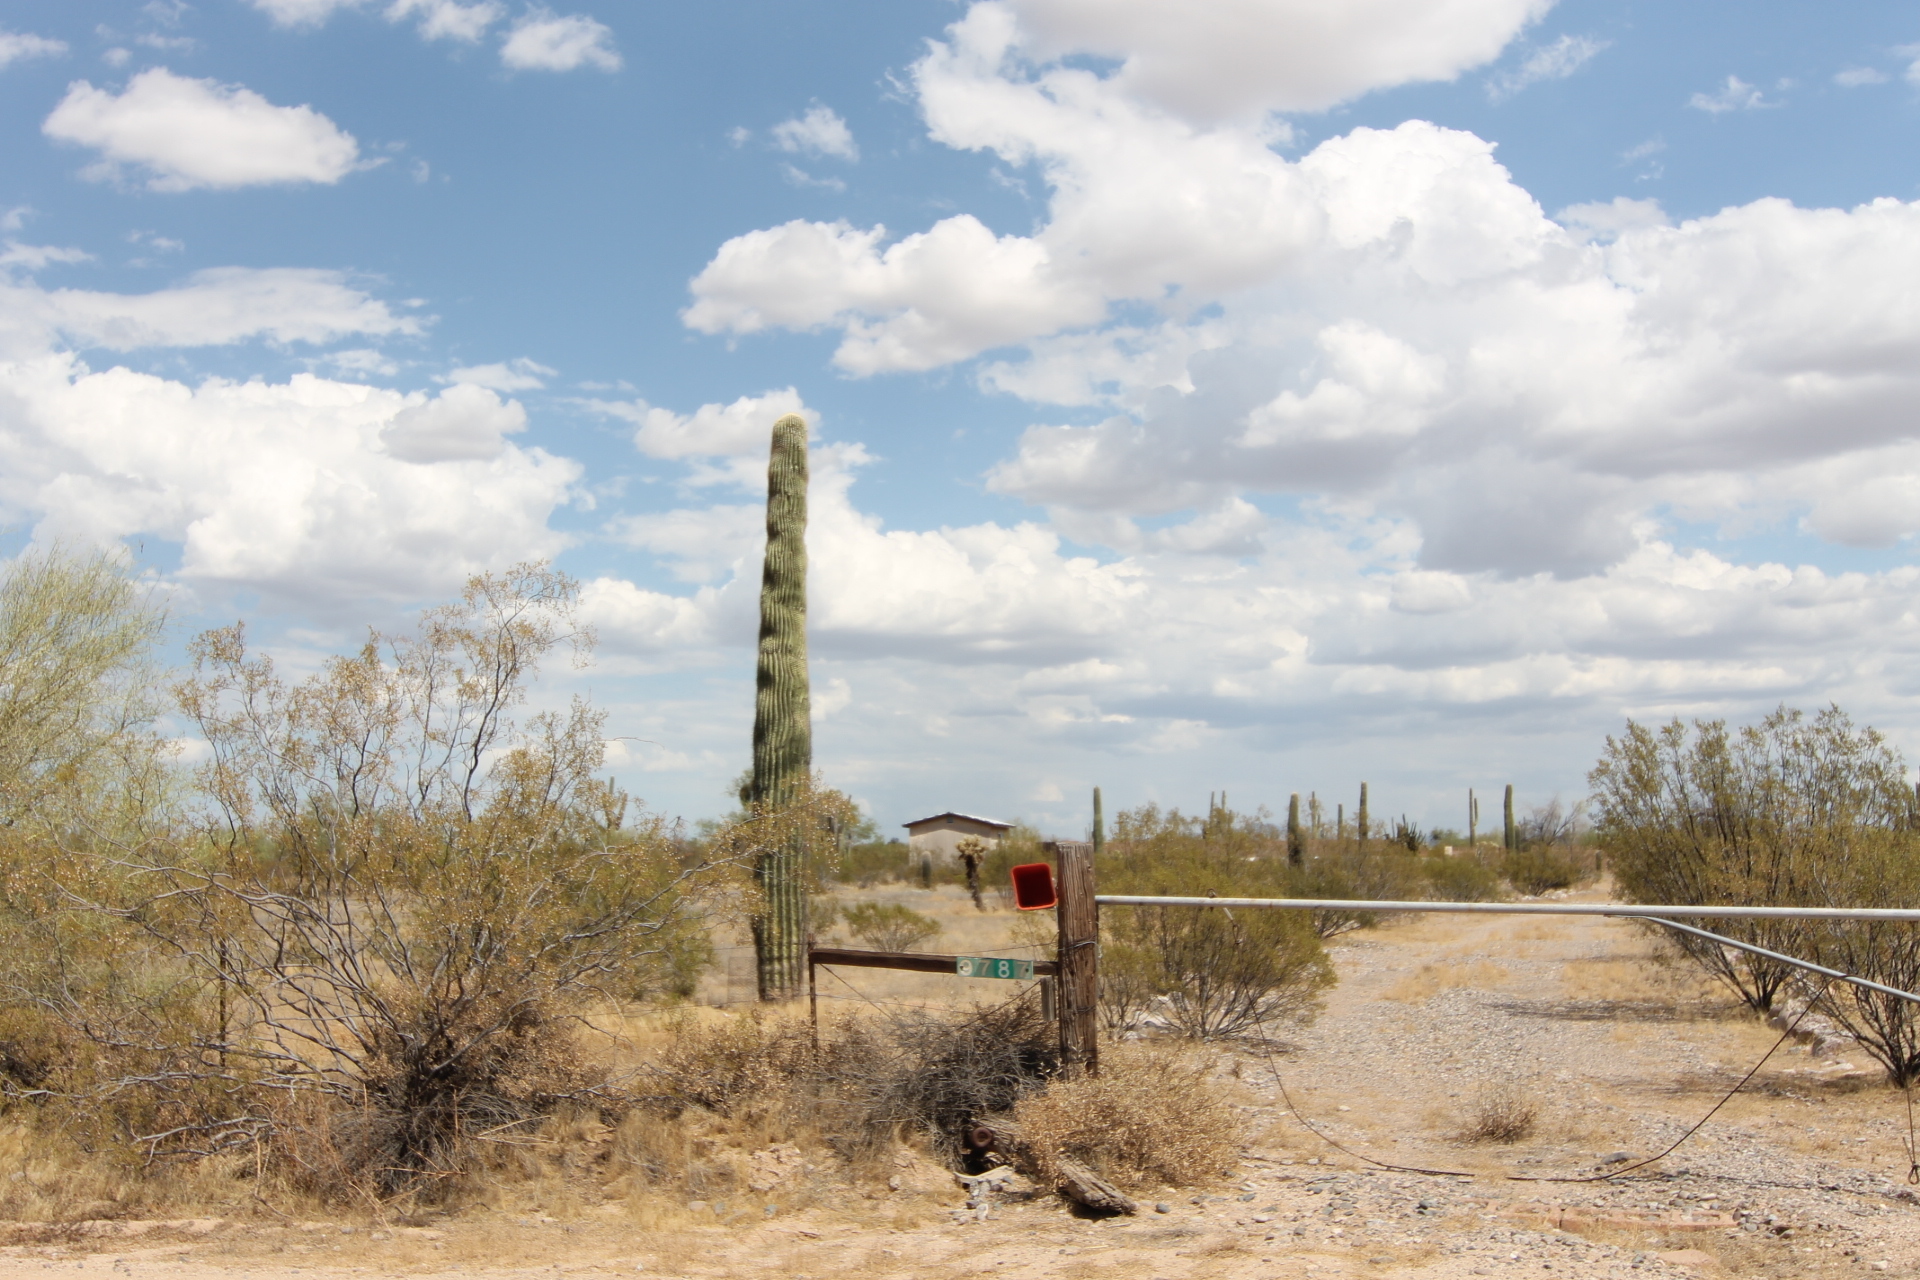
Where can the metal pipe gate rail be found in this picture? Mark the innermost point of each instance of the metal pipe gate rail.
(1664, 915)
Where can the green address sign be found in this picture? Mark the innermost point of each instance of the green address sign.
(992, 967)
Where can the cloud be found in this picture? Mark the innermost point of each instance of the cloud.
(1241, 57)
(215, 307)
(1854, 77)
(32, 257)
(1382, 325)
(303, 13)
(449, 19)
(463, 423)
(20, 47)
(544, 41)
(519, 374)
(1556, 61)
(1606, 220)
(310, 489)
(200, 133)
(739, 429)
(820, 132)
(1735, 95)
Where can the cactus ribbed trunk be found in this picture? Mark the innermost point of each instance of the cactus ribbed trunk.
(1360, 818)
(1099, 826)
(782, 718)
(1473, 819)
(1510, 837)
(1296, 843)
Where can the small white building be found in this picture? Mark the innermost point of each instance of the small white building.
(940, 836)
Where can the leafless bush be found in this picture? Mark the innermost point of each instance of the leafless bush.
(889, 926)
(1503, 1113)
(867, 1078)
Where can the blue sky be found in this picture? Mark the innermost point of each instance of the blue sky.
(1396, 391)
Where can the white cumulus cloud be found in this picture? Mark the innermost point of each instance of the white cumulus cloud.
(462, 423)
(1233, 57)
(739, 429)
(200, 133)
(20, 46)
(545, 41)
(820, 132)
(303, 13)
(312, 489)
(449, 19)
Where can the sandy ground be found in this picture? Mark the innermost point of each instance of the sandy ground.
(1804, 1174)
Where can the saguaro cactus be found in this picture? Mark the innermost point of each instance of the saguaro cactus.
(782, 719)
(1296, 843)
(1473, 819)
(1510, 837)
(1099, 826)
(1360, 818)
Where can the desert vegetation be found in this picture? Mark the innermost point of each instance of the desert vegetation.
(1807, 810)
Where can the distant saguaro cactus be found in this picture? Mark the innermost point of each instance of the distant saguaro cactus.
(782, 717)
(1360, 818)
(1296, 842)
(1510, 837)
(1099, 826)
(1473, 818)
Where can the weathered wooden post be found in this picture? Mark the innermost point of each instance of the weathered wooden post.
(1079, 921)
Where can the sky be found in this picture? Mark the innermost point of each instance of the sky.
(1261, 397)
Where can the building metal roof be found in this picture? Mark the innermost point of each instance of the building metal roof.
(964, 817)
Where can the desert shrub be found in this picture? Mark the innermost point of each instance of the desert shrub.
(1795, 810)
(872, 862)
(1205, 972)
(1460, 878)
(888, 926)
(1538, 869)
(1151, 1116)
(378, 930)
(1503, 1113)
(866, 1078)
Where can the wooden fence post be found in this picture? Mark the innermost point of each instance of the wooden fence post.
(1079, 988)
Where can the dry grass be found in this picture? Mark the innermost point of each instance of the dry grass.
(1504, 1113)
(1430, 980)
(1152, 1116)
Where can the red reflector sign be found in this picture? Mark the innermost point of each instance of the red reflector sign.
(1033, 886)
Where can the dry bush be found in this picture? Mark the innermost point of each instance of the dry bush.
(869, 1079)
(889, 926)
(1503, 1113)
(1152, 1116)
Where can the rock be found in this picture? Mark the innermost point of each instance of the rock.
(1618, 1157)
(1163, 1207)
(768, 1168)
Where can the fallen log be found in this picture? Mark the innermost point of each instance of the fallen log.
(1063, 1173)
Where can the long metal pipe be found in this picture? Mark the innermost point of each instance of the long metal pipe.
(1614, 909)
(1620, 911)
(1785, 959)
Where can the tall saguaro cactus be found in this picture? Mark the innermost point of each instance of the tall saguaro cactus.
(782, 719)
(1510, 838)
(1473, 819)
(1360, 818)
(1099, 826)
(1296, 843)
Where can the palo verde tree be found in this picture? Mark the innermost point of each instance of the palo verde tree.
(782, 720)
(1794, 811)
(380, 929)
